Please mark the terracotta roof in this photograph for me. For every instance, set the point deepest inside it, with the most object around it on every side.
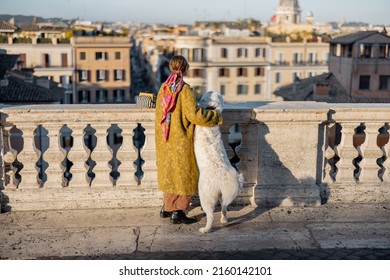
(303, 90)
(5, 26)
(7, 62)
(20, 91)
(16, 88)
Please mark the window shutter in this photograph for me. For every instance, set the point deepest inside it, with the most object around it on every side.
(64, 60)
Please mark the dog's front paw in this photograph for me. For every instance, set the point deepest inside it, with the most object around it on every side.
(203, 230)
(224, 220)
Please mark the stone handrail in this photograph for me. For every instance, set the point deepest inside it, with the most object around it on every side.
(103, 156)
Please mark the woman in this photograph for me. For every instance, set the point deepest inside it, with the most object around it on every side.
(176, 117)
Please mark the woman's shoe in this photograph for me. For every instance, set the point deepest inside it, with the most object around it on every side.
(178, 217)
(165, 214)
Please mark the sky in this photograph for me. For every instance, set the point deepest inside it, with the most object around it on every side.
(189, 11)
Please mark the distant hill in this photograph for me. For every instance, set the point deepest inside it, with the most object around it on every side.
(27, 19)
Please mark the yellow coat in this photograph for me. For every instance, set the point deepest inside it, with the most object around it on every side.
(176, 164)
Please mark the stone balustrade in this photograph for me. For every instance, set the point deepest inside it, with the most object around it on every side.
(103, 156)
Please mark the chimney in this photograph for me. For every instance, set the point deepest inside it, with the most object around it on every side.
(321, 90)
(384, 31)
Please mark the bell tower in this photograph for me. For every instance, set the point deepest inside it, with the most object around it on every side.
(288, 11)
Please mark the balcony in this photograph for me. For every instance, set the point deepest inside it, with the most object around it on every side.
(103, 156)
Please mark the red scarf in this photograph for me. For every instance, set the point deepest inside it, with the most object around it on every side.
(172, 87)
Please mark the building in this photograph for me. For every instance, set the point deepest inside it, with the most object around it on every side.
(102, 66)
(246, 69)
(291, 59)
(288, 12)
(49, 59)
(90, 69)
(360, 61)
(359, 66)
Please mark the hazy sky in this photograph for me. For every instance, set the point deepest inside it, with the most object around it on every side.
(188, 11)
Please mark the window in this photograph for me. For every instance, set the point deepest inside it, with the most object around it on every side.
(383, 51)
(222, 89)
(84, 75)
(333, 50)
(242, 72)
(242, 89)
(312, 58)
(325, 56)
(197, 73)
(185, 52)
(224, 52)
(119, 95)
(117, 55)
(65, 80)
(45, 60)
(277, 77)
(223, 72)
(64, 60)
(84, 96)
(198, 55)
(384, 82)
(259, 71)
(119, 75)
(297, 58)
(312, 74)
(100, 75)
(101, 56)
(260, 52)
(365, 50)
(83, 56)
(242, 52)
(101, 96)
(364, 82)
(257, 88)
(279, 58)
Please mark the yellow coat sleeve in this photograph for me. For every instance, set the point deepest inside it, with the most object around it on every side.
(195, 114)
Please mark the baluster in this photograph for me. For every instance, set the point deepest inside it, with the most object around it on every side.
(9, 157)
(370, 152)
(386, 163)
(148, 153)
(329, 155)
(139, 139)
(101, 155)
(54, 156)
(347, 152)
(126, 155)
(28, 156)
(78, 156)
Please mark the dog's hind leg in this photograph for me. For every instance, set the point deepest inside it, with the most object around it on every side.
(224, 218)
(209, 210)
(225, 202)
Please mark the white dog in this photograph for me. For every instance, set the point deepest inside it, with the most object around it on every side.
(218, 179)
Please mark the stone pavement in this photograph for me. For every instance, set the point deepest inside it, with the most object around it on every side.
(326, 232)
